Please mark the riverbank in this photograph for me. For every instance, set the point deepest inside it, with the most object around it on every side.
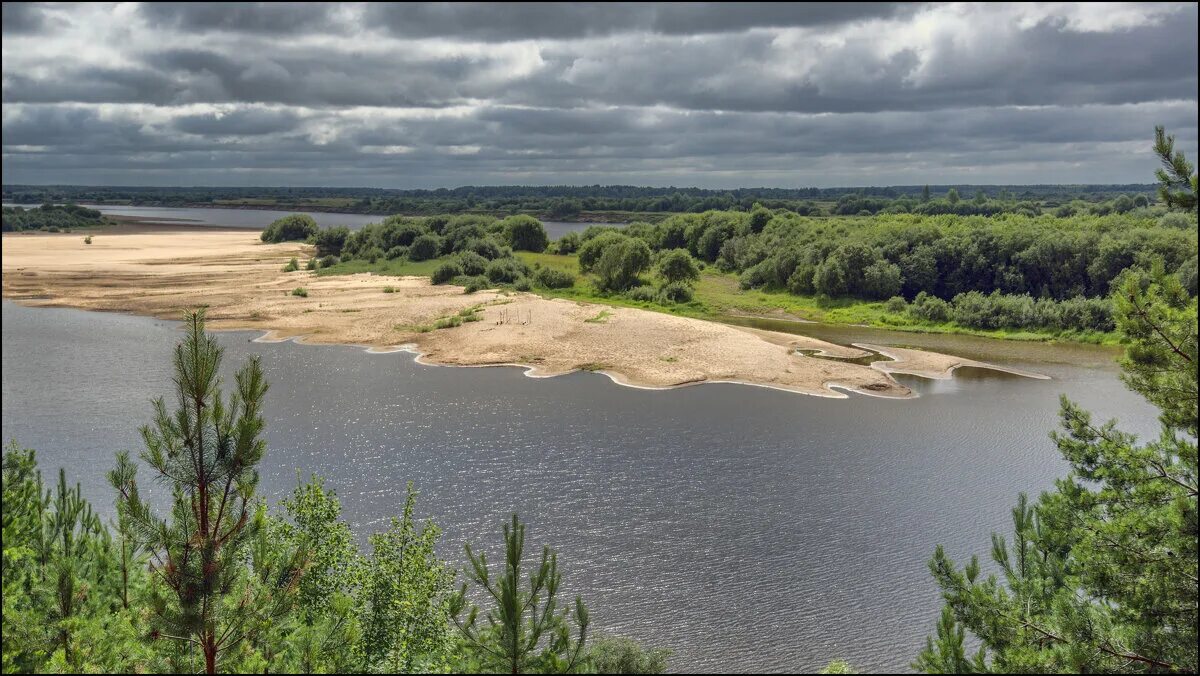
(159, 272)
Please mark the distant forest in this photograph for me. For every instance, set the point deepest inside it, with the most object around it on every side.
(570, 202)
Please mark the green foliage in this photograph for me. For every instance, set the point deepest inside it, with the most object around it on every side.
(51, 218)
(87, 240)
(293, 227)
(446, 272)
(207, 450)
(839, 667)
(476, 283)
(1177, 182)
(424, 247)
(406, 591)
(567, 244)
(506, 270)
(329, 241)
(1100, 575)
(525, 632)
(676, 265)
(311, 264)
(292, 266)
(300, 291)
(616, 655)
(553, 278)
(525, 233)
(620, 263)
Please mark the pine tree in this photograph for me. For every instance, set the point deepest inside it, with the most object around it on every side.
(925, 193)
(1101, 573)
(207, 452)
(525, 632)
(1177, 184)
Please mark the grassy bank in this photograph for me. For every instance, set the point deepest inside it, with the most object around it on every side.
(719, 296)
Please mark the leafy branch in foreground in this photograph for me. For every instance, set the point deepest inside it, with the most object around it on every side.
(525, 632)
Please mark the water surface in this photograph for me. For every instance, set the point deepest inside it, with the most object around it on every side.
(259, 219)
(746, 528)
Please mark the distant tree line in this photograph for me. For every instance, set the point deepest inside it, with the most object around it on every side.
(51, 218)
(568, 202)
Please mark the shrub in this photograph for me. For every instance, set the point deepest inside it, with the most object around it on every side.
(567, 244)
(675, 292)
(424, 247)
(929, 308)
(677, 265)
(300, 291)
(525, 233)
(592, 248)
(523, 284)
(87, 240)
(446, 272)
(472, 263)
(371, 255)
(621, 263)
(330, 241)
(476, 283)
(290, 228)
(506, 270)
(396, 252)
(292, 266)
(643, 293)
(1177, 219)
(311, 264)
(389, 289)
(896, 304)
(329, 261)
(552, 278)
(484, 247)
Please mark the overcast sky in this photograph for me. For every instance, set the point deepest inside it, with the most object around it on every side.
(709, 95)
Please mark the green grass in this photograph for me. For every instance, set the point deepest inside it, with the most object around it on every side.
(300, 291)
(601, 318)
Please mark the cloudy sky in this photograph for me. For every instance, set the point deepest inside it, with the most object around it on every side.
(709, 95)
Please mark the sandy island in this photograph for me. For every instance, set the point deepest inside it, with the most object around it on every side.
(161, 270)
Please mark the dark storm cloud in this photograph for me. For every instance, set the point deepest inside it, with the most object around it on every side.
(706, 94)
(529, 20)
(23, 17)
(281, 18)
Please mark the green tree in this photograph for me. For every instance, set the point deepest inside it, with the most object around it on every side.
(1100, 575)
(621, 263)
(526, 632)
(207, 451)
(952, 196)
(406, 598)
(525, 233)
(925, 193)
(677, 265)
(289, 228)
(1177, 182)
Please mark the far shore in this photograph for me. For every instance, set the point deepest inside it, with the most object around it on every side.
(162, 269)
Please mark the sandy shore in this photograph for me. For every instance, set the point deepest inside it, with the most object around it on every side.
(160, 272)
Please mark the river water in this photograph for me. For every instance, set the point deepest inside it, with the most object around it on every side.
(748, 529)
(258, 219)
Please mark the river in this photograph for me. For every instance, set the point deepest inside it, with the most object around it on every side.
(745, 528)
(258, 219)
